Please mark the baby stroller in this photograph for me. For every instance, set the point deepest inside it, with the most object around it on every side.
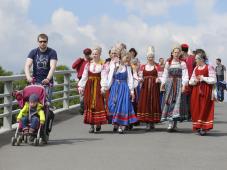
(41, 135)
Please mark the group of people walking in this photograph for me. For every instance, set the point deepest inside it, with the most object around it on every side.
(122, 91)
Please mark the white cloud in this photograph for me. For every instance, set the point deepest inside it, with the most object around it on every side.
(69, 37)
(18, 35)
(151, 7)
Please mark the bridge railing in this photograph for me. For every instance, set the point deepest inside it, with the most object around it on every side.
(7, 110)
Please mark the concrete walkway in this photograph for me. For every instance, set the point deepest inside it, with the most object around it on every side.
(71, 147)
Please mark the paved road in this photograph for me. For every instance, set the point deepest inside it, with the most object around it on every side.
(72, 148)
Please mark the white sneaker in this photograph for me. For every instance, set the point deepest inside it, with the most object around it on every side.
(120, 130)
(170, 126)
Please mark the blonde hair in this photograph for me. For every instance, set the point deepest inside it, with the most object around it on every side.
(98, 48)
(125, 56)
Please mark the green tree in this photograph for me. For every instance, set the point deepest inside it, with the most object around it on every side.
(60, 78)
(4, 73)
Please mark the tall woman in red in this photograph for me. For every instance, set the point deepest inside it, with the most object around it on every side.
(149, 109)
(92, 83)
(202, 104)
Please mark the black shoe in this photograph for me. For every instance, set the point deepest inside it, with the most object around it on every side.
(202, 132)
(98, 128)
(52, 108)
(115, 129)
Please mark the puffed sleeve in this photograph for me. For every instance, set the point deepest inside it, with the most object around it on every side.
(165, 73)
(193, 79)
(184, 74)
(110, 75)
(84, 78)
(135, 78)
(212, 76)
(104, 77)
(130, 79)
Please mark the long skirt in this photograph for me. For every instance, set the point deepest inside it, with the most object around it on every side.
(149, 109)
(202, 107)
(94, 107)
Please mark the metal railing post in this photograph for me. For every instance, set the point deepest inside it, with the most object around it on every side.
(66, 90)
(7, 121)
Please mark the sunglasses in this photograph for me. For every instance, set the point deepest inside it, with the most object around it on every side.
(42, 41)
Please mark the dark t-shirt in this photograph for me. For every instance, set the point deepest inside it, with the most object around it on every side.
(41, 63)
(220, 69)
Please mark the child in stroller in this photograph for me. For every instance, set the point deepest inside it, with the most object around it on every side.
(31, 113)
(35, 118)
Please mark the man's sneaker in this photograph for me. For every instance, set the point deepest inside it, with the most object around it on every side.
(52, 108)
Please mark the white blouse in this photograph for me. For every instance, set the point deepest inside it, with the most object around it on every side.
(147, 67)
(122, 68)
(94, 68)
(176, 64)
(211, 79)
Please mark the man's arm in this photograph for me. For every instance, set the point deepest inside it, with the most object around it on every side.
(53, 64)
(27, 67)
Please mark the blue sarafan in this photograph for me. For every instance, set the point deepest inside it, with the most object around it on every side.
(120, 106)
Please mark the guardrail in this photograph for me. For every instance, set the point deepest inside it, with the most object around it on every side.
(9, 102)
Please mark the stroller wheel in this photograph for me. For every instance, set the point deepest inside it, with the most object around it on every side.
(13, 141)
(19, 140)
(45, 139)
(40, 141)
(25, 139)
(35, 142)
(30, 140)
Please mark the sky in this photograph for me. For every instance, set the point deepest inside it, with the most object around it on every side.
(73, 25)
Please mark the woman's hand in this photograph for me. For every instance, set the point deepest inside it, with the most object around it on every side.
(183, 89)
(80, 90)
(162, 88)
(132, 97)
(158, 80)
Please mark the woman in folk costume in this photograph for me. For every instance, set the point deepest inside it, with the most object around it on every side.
(149, 109)
(174, 81)
(92, 83)
(120, 82)
(114, 57)
(135, 65)
(202, 103)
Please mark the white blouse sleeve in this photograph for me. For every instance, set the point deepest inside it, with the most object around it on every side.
(165, 73)
(192, 81)
(212, 76)
(103, 78)
(110, 75)
(83, 80)
(130, 79)
(135, 78)
(184, 74)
